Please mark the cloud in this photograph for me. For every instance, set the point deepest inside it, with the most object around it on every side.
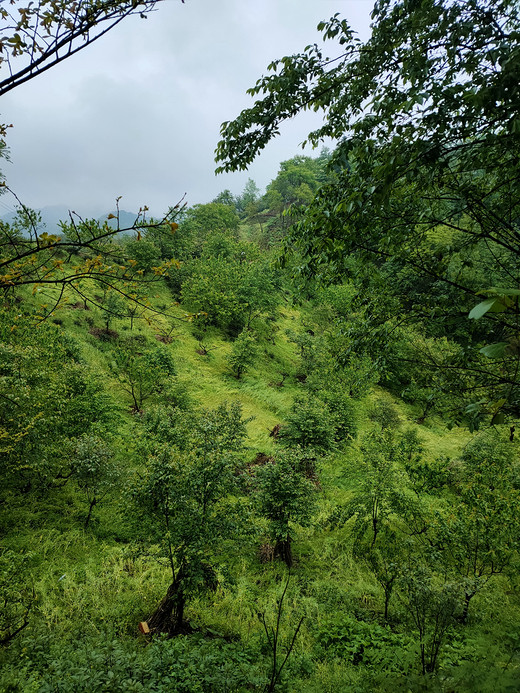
(138, 113)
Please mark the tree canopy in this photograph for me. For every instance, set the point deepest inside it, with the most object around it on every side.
(426, 118)
(38, 35)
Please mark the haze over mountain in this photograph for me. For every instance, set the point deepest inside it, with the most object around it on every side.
(52, 215)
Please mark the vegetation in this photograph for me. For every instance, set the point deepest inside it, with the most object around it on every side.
(227, 467)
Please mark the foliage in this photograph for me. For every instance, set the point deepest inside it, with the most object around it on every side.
(426, 119)
(106, 663)
(184, 493)
(16, 594)
(246, 202)
(309, 425)
(284, 497)
(358, 642)
(242, 353)
(145, 253)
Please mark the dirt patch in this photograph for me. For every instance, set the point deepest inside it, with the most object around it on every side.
(165, 339)
(103, 334)
(266, 553)
(275, 432)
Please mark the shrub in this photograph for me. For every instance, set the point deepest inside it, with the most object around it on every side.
(309, 425)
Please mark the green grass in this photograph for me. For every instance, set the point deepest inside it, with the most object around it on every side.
(98, 584)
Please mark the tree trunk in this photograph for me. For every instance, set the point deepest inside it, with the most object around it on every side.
(465, 609)
(93, 502)
(283, 550)
(169, 615)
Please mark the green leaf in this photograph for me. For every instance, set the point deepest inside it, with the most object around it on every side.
(490, 304)
(504, 292)
(495, 351)
(499, 418)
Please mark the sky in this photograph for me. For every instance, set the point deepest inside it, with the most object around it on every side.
(137, 114)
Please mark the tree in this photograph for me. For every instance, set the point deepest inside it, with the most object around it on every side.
(476, 532)
(200, 222)
(385, 561)
(225, 197)
(284, 497)
(143, 374)
(432, 606)
(93, 470)
(112, 307)
(230, 292)
(246, 202)
(310, 426)
(189, 474)
(426, 118)
(48, 399)
(37, 36)
(379, 487)
(242, 353)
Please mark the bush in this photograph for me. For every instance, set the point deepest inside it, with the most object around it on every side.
(343, 410)
(385, 414)
(309, 425)
(358, 642)
(184, 665)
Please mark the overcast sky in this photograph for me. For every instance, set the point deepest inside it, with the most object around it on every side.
(138, 113)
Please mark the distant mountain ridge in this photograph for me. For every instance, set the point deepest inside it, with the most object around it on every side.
(51, 216)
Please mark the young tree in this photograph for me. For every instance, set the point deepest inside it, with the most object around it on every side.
(476, 532)
(285, 497)
(385, 561)
(94, 471)
(112, 307)
(432, 606)
(242, 354)
(143, 374)
(378, 487)
(182, 502)
(309, 425)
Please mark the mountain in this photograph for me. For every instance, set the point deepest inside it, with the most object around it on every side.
(126, 219)
(52, 215)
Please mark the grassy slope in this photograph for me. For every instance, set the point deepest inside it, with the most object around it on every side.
(93, 582)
